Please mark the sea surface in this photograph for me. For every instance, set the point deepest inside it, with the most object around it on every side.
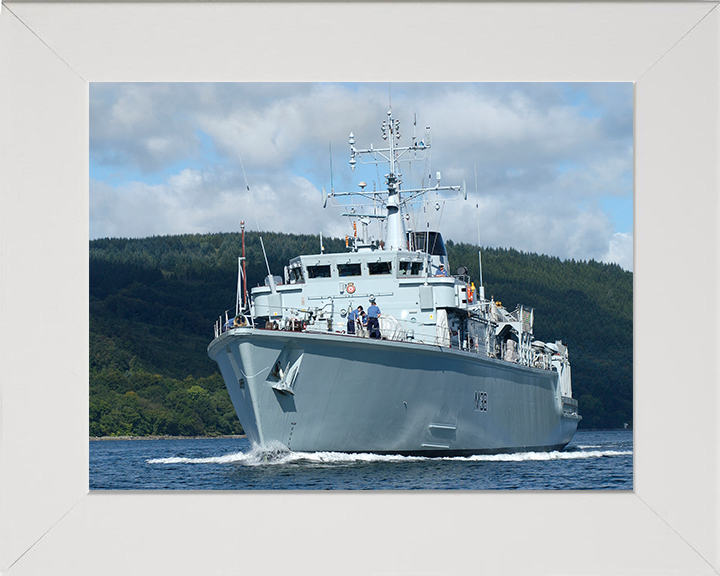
(594, 460)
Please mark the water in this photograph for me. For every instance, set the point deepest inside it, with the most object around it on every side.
(592, 461)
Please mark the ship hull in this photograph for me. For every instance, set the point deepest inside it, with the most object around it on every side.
(330, 392)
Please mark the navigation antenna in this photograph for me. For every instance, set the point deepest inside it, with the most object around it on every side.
(394, 198)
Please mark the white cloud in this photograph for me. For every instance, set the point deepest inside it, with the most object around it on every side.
(620, 251)
(545, 155)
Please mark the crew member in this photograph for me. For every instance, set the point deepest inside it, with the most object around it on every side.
(441, 271)
(352, 318)
(362, 322)
(373, 322)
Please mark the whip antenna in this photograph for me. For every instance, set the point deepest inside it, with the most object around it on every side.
(477, 204)
(477, 210)
(332, 188)
(252, 205)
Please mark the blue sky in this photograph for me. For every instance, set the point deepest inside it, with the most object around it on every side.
(554, 161)
(116, 173)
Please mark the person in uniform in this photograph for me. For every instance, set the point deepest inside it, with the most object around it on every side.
(352, 319)
(362, 323)
(373, 320)
(441, 271)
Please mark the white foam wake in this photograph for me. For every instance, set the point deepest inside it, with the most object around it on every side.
(238, 457)
(277, 454)
(257, 455)
(542, 456)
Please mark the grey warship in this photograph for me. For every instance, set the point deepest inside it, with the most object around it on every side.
(451, 373)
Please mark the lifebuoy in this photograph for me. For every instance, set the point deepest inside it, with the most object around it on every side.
(239, 322)
(350, 289)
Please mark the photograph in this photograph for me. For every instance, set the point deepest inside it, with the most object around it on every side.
(199, 203)
(361, 286)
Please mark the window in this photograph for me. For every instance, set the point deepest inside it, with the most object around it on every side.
(379, 268)
(319, 271)
(295, 275)
(431, 240)
(410, 268)
(349, 269)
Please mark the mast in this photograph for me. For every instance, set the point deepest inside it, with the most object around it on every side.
(395, 226)
(242, 295)
(395, 239)
(245, 292)
(395, 197)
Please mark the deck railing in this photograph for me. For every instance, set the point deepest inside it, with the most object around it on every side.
(407, 332)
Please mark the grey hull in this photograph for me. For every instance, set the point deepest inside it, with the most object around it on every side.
(328, 392)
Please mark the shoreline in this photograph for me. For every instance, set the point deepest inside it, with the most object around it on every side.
(110, 438)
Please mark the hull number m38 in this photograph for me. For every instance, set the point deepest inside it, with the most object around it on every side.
(481, 402)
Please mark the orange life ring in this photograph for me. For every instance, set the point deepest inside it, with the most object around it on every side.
(350, 289)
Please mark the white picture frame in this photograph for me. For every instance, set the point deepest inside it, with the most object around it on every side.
(51, 523)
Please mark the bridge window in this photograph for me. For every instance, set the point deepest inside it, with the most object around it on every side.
(410, 268)
(349, 270)
(319, 271)
(379, 268)
(295, 275)
(432, 241)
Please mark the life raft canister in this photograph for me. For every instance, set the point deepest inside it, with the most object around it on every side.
(350, 288)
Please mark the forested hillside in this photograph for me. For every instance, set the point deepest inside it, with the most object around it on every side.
(153, 302)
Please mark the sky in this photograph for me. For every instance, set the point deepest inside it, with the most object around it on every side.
(548, 166)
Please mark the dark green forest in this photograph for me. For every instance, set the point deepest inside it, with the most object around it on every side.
(153, 302)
